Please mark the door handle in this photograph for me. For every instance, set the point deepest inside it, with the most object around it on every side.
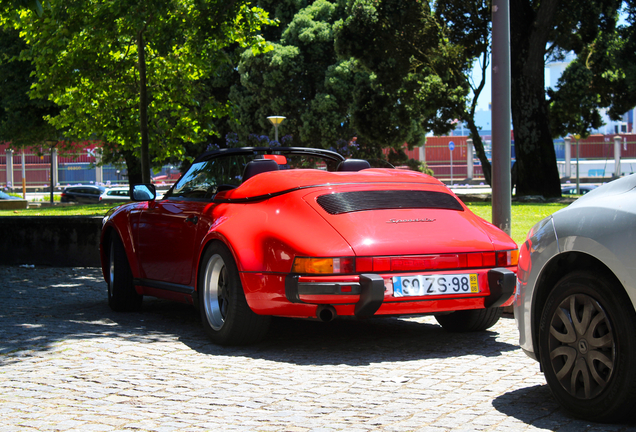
(192, 218)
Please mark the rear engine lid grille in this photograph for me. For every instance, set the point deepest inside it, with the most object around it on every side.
(347, 202)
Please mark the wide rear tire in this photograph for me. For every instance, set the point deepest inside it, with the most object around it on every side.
(225, 314)
(122, 296)
(469, 320)
(587, 340)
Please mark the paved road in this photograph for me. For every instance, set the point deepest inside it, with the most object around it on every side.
(69, 363)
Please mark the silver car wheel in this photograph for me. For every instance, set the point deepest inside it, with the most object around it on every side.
(215, 292)
(581, 346)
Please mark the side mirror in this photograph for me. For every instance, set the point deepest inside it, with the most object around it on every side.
(143, 192)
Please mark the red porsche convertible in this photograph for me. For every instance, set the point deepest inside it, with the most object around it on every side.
(250, 233)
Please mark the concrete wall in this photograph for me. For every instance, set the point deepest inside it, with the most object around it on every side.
(13, 204)
(63, 241)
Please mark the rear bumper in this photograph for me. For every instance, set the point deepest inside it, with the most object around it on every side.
(369, 288)
(369, 292)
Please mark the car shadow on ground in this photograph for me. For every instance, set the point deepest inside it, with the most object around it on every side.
(536, 406)
(60, 305)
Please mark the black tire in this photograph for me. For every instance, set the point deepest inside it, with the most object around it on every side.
(587, 339)
(225, 314)
(473, 320)
(122, 296)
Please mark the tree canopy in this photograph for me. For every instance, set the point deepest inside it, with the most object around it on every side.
(546, 30)
(131, 73)
(22, 119)
(602, 76)
(421, 56)
(160, 80)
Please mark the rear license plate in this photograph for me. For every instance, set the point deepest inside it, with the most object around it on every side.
(425, 285)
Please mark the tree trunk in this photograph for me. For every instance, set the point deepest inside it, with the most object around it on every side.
(536, 167)
(143, 110)
(479, 149)
(133, 167)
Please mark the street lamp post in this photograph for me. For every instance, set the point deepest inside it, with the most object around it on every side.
(276, 121)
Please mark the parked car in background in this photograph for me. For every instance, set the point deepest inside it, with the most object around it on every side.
(575, 304)
(85, 194)
(250, 233)
(570, 189)
(116, 194)
(6, 196)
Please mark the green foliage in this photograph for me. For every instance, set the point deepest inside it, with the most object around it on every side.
(21, 118)
(301, 78)
(89, 64)
(420, 56)
(602, 76)
(547, 30)
(421, 72)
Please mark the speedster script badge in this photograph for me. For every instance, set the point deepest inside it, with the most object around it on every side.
(397, 221)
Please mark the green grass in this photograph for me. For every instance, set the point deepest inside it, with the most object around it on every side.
(524, 215)
(70, 210)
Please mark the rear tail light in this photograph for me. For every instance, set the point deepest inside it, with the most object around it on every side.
(437, 262)
(508, 258)
(308, 265)
(349, 265)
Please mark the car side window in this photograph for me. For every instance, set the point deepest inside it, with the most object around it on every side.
(203, 179)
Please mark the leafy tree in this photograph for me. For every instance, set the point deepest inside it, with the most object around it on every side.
(421, 55)
(300, 78)
(540, 30)
(469, 26)
(328, 101)
(420, 71)
(21, 118)
(602, 76)
(132, 73)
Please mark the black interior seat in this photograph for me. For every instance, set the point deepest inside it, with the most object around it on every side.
(258, 166)
(353, 165)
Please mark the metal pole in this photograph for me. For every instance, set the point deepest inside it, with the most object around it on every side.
(578, 185)
(617, 156)
(9, 153)
(23, 177)
(501, 181)
(451, 161)
(55, 168)
(276, 133)
(52, 171)
(568, 157)
(469, 159)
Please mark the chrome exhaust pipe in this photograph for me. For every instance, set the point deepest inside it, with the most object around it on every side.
(326, 313)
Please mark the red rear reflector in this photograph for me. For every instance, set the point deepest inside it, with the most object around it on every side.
(474, 260)
(436, 262)
(364, 264)
(381, 264)
(489, 259)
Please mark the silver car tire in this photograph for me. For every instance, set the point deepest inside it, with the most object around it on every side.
(587, 340)
(225, 314)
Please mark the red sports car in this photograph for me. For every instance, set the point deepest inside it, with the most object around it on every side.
(250, 233)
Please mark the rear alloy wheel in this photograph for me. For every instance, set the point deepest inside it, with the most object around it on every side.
(122, 296)
(587, 338)
(470, 320)
(225, 314)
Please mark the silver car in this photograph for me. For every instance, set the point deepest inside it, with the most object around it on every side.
(575, 302)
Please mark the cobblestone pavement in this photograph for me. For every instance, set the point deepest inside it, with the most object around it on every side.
(67, 362)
